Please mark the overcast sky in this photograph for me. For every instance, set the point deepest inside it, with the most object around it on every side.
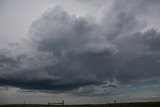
(80, 51)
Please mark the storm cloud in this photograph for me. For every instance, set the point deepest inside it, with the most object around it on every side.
(65, 52)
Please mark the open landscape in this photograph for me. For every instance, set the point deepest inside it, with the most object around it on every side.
(140, 104)
(80, 53)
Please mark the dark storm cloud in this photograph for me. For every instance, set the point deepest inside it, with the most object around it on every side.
(77, 43)
(6, 61)
(140, 59)
(64, 52)
(66, 48)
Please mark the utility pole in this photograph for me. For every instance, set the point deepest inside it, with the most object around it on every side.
(62, 102)
(24, 103)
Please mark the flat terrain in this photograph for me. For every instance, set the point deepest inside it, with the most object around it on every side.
(149, 104)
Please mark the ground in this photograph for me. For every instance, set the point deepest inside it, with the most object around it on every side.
(146, 104)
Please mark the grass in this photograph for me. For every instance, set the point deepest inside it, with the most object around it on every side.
(146, 104)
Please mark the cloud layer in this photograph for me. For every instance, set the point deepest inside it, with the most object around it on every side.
(64, 52)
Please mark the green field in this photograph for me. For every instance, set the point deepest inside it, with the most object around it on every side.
(149, 104)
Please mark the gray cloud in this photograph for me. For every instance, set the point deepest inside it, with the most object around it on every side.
(64, 52)
(141, 58)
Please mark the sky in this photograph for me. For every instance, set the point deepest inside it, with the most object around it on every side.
(79, 51)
